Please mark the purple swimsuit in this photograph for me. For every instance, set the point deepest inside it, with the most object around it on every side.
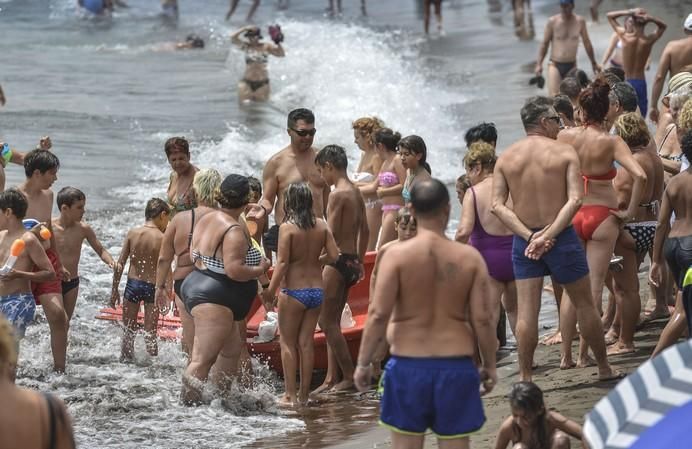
(496, 250)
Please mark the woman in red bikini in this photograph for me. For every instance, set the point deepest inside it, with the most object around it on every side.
(598, 221)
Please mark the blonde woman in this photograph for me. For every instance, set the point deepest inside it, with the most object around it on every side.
(369, 166)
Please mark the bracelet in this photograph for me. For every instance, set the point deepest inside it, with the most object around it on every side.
(264, 209)
(358, 365)
(530, 237)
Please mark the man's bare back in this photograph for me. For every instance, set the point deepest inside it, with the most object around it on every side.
(432, 294)
(530, 165)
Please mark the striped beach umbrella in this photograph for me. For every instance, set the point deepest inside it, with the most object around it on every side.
(651, 408)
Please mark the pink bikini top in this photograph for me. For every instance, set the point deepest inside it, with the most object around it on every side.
(388, 179)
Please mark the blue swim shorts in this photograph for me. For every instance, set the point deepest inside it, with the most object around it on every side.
(642, 99)
(19, 310)
(137, 290)
(441, 394)
(566, 262)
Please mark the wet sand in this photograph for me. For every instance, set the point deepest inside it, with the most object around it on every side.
(349, 421)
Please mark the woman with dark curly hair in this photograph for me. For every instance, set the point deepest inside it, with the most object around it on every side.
(219, 292)
(598, 220)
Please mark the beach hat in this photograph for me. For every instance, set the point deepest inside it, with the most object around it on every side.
(236, 186)
(688, 23)
(679, 80)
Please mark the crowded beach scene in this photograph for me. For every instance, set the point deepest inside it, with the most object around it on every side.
(346, 224)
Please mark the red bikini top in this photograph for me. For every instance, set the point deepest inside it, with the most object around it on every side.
(611, 174)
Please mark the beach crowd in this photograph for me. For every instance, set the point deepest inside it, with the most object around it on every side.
(584, 198)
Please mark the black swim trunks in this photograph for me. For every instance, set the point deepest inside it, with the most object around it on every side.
(69, 285)
(563, 67)
(270, 239)
(349, 266)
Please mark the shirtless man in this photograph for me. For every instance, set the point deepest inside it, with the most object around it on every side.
(675, 57)
(70, 232)
(16, 300)
(346, 220)
(142, 246)
(563, 32)
(545, 242)
(41, 169)
(293, 164)
(636, 47)
(427, 284)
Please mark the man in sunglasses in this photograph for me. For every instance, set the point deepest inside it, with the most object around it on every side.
(542, 176)
(295, 163)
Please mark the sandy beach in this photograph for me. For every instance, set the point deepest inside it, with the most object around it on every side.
(572, 392)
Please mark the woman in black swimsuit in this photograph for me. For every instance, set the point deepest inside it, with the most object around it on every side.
(176, 244)
(30, 419)
(255, 83)
(219, 292)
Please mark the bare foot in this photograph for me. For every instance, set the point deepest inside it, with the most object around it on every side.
(551, 340)
(620, 349)
(611, 374)
(344, 385)
(585, 362)
(285, 401)
(567, 363)
(611, 337)
(326, 386)
(651, 315)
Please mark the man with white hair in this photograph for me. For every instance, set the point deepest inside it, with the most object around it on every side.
(675, 57)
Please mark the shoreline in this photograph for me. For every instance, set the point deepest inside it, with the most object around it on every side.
(572, 392)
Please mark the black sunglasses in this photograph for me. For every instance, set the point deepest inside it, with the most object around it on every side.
(304, 132)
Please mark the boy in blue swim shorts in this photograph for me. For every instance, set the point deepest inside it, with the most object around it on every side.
(425, 286)
(16, 301)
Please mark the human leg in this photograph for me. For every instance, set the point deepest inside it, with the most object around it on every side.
(127, 348)
(54, 309)
(426, 16)
(253, 8)
(388, 230)
(151, 319)
(529, 304)
(454, 443)
(188, 324)
(69, 298)
(403, 441)
(290, 317)
(225, 367)
(629, 304)
(335, 295)
(568, 329)
(213, 325)
(306, 349)
(509, 302)
(589, 323)
(554, 80)
(373, 215)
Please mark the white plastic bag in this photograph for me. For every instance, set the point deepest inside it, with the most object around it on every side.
(266, 331)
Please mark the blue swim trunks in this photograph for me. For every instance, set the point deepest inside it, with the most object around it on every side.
(566, 262)
(94, 6)
(309, 297)
(19, 310)
(421, 393)
(642, 99)
(137, 290)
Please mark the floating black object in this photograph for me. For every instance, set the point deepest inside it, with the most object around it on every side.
(538, 80)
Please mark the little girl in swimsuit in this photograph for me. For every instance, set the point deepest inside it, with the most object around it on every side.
(531, 425)
(302, 240)
(413, 154)
(389, 182)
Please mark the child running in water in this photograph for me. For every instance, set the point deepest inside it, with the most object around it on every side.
(142, 246)
(531, 426)
(302, 240)
(70, 232)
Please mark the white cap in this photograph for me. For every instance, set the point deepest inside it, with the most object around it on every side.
(688, 23)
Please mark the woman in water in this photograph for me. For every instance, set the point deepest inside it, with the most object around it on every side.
(531, 426)
(220, 290)
(637, 238)
(181, 195)
(389, 182)
(598, 221)
(369, 166)
(485, 232)
(255, 83)
(176, 245)
(34, 420)
(302, 241)
(674, 243)
(413, 154)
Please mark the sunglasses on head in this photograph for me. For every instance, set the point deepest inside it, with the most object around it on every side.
(304, 132)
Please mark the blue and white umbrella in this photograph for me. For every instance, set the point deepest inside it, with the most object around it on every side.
(651, 408)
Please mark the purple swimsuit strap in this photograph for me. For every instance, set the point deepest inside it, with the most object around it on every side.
(478, 230)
